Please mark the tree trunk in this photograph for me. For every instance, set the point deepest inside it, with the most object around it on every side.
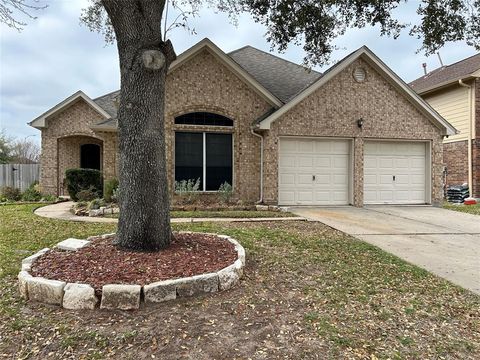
(144, 222)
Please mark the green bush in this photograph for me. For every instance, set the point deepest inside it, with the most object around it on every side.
(110, 189)
(96, 204)
(49, 198)
(87, 194)
(88, 180)
(225, 191)
(11, 194)
(32, 193)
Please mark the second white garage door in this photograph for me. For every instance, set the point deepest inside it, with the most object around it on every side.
(313, 172)
(394, 172)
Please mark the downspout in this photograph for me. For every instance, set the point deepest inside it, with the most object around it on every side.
(470, 133)
(261, 163)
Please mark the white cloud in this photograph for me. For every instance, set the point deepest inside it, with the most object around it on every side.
(55, 56)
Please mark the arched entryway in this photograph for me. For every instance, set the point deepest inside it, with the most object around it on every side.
(78, 151)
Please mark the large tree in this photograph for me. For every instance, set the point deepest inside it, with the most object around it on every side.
(145, 56)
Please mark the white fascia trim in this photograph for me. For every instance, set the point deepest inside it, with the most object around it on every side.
(41, 121)
(232, 65)
(373, 60)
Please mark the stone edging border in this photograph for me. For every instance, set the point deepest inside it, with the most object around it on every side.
(77, 296)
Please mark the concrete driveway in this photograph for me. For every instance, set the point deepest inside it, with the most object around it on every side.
(444, 242)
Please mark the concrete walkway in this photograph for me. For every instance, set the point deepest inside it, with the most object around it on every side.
(61, 211)
(444, 242)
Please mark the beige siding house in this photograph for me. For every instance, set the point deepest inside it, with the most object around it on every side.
(454, 92)
(279, 133)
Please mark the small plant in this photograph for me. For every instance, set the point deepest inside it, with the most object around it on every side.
(86, 194)
(116, 195)
(78, 180)
(32, 194)
(225, 191)
(95, 204)
(109, 188)
(11, 194)
(188, 189)
(49, 198)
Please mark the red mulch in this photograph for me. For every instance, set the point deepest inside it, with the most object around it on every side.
(103, 263)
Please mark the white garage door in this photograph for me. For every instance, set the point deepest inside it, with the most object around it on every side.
(395, 172)
(313, 172)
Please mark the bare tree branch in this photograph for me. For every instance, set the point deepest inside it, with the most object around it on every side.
(10, 9)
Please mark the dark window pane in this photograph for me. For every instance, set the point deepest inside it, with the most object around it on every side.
(203, 118)
(90, 156)
(189, 157)
(219, 160)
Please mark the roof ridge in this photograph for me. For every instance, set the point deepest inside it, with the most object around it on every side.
(447, 66)
(102, 96)
(275, 56)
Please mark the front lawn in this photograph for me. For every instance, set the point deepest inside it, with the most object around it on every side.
(224, 214)
(470, 209)
(308, 292)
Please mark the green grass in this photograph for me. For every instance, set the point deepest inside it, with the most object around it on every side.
(469, 209)
(225, 214)
(307, 290)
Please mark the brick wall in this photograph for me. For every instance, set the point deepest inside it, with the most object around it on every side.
(61, 141)
(332, 111)
(455, 157)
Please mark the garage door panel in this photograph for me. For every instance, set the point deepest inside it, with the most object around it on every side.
(394, 173)
(315, 172)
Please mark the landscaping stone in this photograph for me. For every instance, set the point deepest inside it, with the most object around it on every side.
(206, 283)
(261, 207)
(122, 297)
(79, 297)
(228, 277)
(45, 291)
(96, 212)
(26, 267)
(23, 278)
(160, 291)
(72, 244)
(29, 260)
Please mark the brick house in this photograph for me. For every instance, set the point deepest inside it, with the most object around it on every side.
(454, 91)
(280, 134)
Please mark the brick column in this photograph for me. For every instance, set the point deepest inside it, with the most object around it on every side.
(358, 144)
(48, 167)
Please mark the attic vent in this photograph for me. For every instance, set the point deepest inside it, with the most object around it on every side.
(359, 74)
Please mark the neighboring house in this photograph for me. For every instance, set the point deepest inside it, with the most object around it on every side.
(279, 133)
(454, 91)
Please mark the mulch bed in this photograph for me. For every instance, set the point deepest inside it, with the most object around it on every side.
(103, 263)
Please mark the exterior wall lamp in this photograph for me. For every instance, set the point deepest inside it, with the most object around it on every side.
(360, 123)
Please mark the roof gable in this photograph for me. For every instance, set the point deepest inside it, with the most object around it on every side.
(367, 55)
(206, 44)
(41, 121)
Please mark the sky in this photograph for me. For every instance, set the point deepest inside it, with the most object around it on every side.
(54, 56)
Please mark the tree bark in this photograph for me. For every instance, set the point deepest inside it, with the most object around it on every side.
(144, 222)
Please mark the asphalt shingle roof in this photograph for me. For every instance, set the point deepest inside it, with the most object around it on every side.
(282, 78)
(448, 73)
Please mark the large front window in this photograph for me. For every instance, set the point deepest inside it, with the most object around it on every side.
(205, 156)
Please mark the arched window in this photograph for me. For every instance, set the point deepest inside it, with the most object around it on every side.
(203, 118)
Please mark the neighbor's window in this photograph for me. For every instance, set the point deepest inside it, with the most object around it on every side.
(204, 156)
(203, 118)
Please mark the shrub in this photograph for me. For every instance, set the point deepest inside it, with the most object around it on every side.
(49, 198)
(225, 191)
(109, 189)
(95, 204)
(32, 194)
(188, 189)
(84, 180)
(11, 194)
(87, 194)
(116, 195)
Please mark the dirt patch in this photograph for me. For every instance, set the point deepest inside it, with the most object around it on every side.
(103, 263)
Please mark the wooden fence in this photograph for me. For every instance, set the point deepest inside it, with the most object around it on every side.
(19, 176)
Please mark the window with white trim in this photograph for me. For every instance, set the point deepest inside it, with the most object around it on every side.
(205, 156)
